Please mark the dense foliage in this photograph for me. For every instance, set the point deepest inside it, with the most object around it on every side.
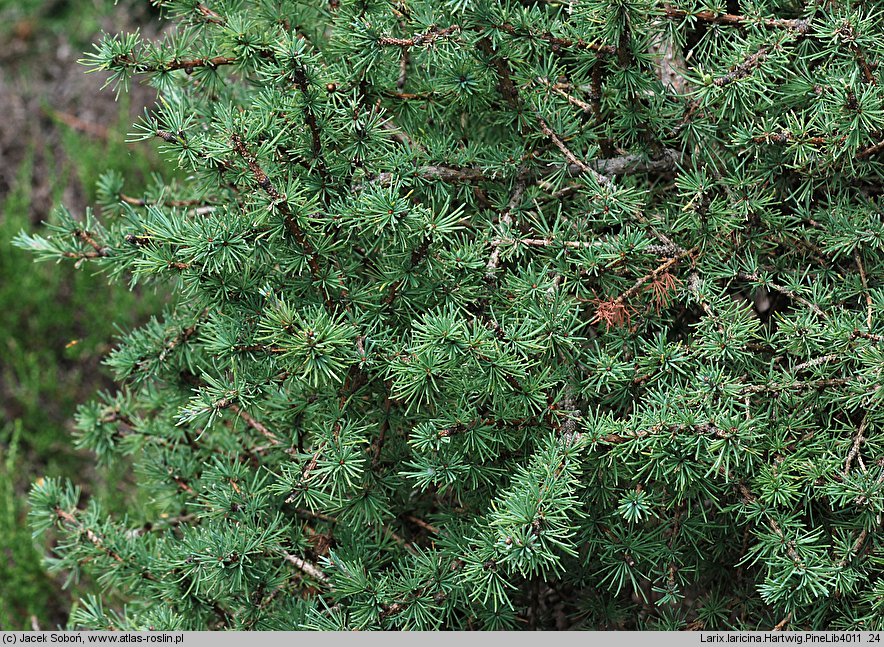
(493, 315)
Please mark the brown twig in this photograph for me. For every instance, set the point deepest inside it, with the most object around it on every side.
(627, 164)
(558, 89)
(556, 41)
(309, 514)
(748, 497)
(417, 255)
(86, 237)
(595, 98)
(816, 361)
(799, 386)
(615, 312)
(91, 535)
(427, 38)
(855, 548)
(385, 425)
(81, 256)
(97, 540)
(742, 70)
(782, 623)
(309, 568)
(255, 424)
(186, 64)
(865, 283)
(548, 242)
(859, 334)
(854, 448)
(848, 33)
(573, 160)
(442, 173)
(614, 166)
(305, 473)
(505, 84)
(181, 337)
(507, 219)
(653, 274)
(603, 168)
(784, 136)
(300, 78)
(423, 524)
(870, 150)
(408, 96)
(289, 218)
(792, 24)
(403, 70)
(182, 484)
(210, 15)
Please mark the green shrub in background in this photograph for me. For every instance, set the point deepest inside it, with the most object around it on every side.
(54, 327)
(54, 330)
(494, 315)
